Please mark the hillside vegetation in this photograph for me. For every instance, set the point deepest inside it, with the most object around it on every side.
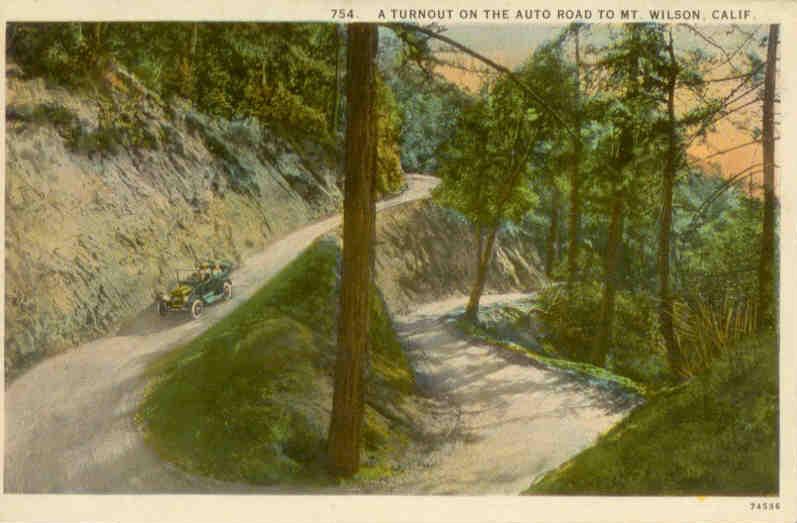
(716, 435)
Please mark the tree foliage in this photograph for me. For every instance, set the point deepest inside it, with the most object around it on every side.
(281, 74)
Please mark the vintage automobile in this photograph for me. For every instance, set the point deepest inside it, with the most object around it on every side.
(207, 283)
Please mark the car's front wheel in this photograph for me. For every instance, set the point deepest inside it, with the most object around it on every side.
(196, 309)
(227, 290)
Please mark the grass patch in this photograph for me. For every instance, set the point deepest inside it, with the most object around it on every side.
(249, 399)
(715, 435)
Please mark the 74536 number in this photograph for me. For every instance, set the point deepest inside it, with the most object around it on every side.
(766, 505)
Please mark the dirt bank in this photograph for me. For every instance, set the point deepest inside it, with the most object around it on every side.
(425, 253)
(108, 192)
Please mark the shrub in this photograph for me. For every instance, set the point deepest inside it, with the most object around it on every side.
(389, 175)
(703, 332)
(570, 323)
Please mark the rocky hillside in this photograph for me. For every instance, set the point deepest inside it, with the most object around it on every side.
(108, 190)
(425, 253)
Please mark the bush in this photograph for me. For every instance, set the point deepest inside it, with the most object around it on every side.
(389, 175)
(703, 332)
(571, 321)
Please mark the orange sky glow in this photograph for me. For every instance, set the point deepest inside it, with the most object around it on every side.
(511, 45)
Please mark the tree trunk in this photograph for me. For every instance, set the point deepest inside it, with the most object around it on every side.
(358, 222)
(552, 242)
(610, 262)
(665, 224)
(766, 268)
(574, 217)
(483, 257)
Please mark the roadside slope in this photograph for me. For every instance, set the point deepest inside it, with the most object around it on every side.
(716, 435)
(424, 253)
(108, 192)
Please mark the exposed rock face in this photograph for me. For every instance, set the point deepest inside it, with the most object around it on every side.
(107, 194)
(425, 253)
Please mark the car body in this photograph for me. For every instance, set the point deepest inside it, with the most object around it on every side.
(207, 283)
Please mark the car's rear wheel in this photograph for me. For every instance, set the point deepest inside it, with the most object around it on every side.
(163, 309)
(196, 309)
(227, 290)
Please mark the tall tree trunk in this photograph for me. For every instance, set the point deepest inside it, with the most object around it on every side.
(665, 224)
(483, 256)
(358, 222)
(610, 267)
(574, 217)
(766, 268)
(552, 242)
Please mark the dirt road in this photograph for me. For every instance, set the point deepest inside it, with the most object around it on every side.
(70, 428)
(69, 420)
(508, 421)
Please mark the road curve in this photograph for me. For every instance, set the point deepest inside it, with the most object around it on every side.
(69, 420)
(508, 420)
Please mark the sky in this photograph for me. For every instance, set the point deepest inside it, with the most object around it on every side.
(511, 44)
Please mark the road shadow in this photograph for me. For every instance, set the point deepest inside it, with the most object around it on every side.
(149, 321)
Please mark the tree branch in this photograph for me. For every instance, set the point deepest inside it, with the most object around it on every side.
(542, 105)
(719, 153)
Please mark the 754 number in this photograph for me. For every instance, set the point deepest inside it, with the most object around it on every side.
(342, 14)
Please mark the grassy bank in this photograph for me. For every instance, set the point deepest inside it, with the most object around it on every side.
(716, 435)
(249, 399)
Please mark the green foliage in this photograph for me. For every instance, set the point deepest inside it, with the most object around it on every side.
(248, 399)
(704, 332)
(389, 175)
(486, 166)
(279, 73)
(718, 253)
(716, 435)
(570, 325)
(625, 137)
(119, 124)
(428, 105)
(66, 53)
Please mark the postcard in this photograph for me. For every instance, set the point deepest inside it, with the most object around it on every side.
(399, 262)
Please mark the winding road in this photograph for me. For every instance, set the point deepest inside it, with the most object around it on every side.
(70, 424)
(69, 421)
(509, 420)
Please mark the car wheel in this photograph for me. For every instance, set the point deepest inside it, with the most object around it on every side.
(163, 310)
(227, 290)
(196, 309)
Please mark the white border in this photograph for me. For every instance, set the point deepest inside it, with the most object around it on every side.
(420, 509)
